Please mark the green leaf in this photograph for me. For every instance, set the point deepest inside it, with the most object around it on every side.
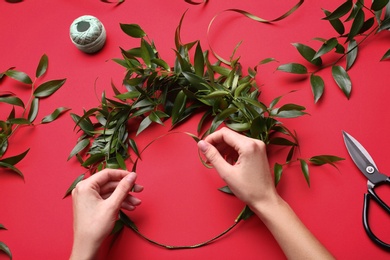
(357, 25)
(42, 66)
(305, 170)
(352, 52)
(218, 119)
(6, 250)
(307, 53)
(94, 158)
(386, 55)
(278, 170)
(326, 47)
(145, 55)
(295, 68)
(144, 124)
(367, 25)
(226, 190)
(19, 76)
(179, 106)
(325, 159)
(245, 214)
(161, 63)
(317, 86)
(378, 5)
(53, 116)
(340, 11)
(15, 159)
(19, 121)
(48, 88)
(12, 101)
(199, 61)
(342, 79)
(73, 185)
(120, 161)
(12, 168)
(83, 123)
(134, 147)
(133, 30)
(33, 112)
(2, 227)
(336, 23)
(79, 147)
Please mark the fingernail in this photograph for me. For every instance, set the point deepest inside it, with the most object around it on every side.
(203, 146)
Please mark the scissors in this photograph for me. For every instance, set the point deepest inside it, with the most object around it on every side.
(367, 166)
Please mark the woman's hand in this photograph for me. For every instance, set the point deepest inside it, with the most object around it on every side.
(96, 204)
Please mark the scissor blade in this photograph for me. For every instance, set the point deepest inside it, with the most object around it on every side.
(359, 155)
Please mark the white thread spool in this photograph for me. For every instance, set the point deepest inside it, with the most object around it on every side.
(88, 34)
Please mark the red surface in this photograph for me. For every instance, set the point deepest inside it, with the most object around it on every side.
(180, 203)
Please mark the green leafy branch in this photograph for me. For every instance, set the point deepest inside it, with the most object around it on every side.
(29, 110)
(363, 21)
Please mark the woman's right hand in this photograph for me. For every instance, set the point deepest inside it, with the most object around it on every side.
(242, 163)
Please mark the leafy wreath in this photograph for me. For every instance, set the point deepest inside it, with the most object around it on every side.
(157, 92)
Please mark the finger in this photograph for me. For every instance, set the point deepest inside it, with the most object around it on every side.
(226, 138)
(123, 189)
(106, 175)
(137, 188)
(214, 157)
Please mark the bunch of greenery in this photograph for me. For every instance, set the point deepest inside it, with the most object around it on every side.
(354, 22)
(29, 112)
(9, 126)
(156, 92)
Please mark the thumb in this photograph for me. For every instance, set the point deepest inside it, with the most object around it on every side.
(123, 189)
(214, 157)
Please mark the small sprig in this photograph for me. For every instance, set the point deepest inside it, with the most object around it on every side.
(362, 24)
(9, 126)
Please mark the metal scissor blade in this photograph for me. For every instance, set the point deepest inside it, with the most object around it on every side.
(360, 156)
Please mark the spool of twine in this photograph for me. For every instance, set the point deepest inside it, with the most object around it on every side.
(88, 34)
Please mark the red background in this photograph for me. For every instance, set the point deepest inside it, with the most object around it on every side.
(181, 204)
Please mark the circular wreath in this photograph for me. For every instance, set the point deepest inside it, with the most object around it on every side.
(156, 92)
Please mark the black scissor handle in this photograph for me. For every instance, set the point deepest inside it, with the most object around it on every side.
(367, 198)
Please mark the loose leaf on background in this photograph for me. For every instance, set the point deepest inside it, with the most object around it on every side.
(53, 116)
(48, 88)
(42, 66)
(2, 227)
(19, 76)
(317, 86)
(325, 159)
(5, 249)
(342, 79)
